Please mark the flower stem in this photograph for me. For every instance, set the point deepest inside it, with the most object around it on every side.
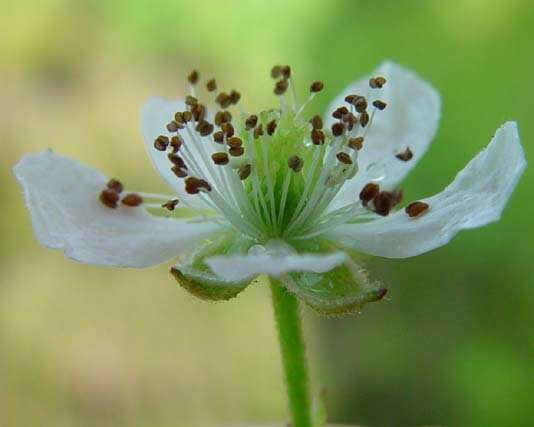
(288, 323)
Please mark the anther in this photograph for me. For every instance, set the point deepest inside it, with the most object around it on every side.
(280, 87)
(350, 98)
(385, 201)
(235, 96)
(338, 129)
(286, 71)
(234, 142)
(271, 127)
(179, 118)
(177, 161)
(222, 117)
(176, 143)
(276, 71)
(317, 136)
(187, 116)
(228, 129)
(199, 112)
(244, 171)
(379, 104)
(416, 209)
(360, 104)
(191, 101)
(369, 192)
(344, 158)
(211, 85)
(220, 158)
(170, 204)
(316, 122)
(109, 198)
(350, 119)
(115, 185)
(405, 155)
(195, 185)
(236, 151)
(161, 143)
(223, 99)
(251, 121)
(173, 126)
(258, 131)
(193, 77)
(340, 112)
(377, 82)
(204, 128)
(132, 200)
(179, 172)
(219, 137)
(364, 119)
(356, 143)
(295, 163)
(316, 86)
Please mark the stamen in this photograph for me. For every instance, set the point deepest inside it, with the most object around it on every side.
(316, 122)
(187, 116)
(251, 121)
(379, 104)
(223, 99)
(173, 126)
(191, 101)
(211, 85)
(340, 112)
(244, 171)
(236, 151)
(220, 158)
(405, 155)
(195, 185)
(234, 142)
(344, 158)
(176, 143)
(369, 192)
(356, 143)
(179, 172)
(115, 185)
(385, 201)
(364, 119)
(377, 82)
(218, 137)
(193, 77)
(317, 136)
(338, 129)
(170, 205)
(235, 96)
(276, 71)
(161, 143)
(316, 86)
(204, 128)
(228, 129)
(416, 209)
(295, 163)
(271, 127)
(109, 198)
(177, 160)
(281, 87)
(132, 200)
(258, 131)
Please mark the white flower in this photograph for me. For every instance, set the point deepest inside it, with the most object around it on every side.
(274, 193)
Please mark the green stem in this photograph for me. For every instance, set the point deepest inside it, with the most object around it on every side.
(287, 316)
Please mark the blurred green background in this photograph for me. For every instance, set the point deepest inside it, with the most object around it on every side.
(86, 346)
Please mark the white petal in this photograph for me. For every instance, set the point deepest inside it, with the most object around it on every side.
(275, 258)
(476, 197)
(62, 197)
(155, 115)
(409, 120)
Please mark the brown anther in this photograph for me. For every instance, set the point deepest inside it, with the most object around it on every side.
(176, 143)
(179, 118)
(416, 209)
(385, 201)
(199, 112)
(219, 137)
(317, 136)
(405, 155)
(223, 99)
(251, 121)
(360, 104)
(228, 129)
(344, 158)
(338, 129)
(364, 119)
(271, 127)
(173, 126)
(115, 185)
(179, 172)
(244, 171)
(235, 96)
(276, 71)
(350, 98)
(132, 200)
(161, 143)
(377, 82)
(211, 85)
(170, 204)
(234, 141)
(193, 77)
(220, 158)
(195, 185)
(187, 116)
(109, 198)
(316, 122)
(350, 119)
(356, 143)
(369, 192)
(258, 131)
(236, 151)
(295, 163)
(379, 104)
(191, 101)
(286, 71)
(316, 86)
(280, 87)
(340, 112)
(177, 160)
(204, 128)
(219, 118)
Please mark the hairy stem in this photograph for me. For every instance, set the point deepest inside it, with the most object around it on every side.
(288, 323)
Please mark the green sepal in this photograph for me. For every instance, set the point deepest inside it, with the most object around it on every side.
(195, 276)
